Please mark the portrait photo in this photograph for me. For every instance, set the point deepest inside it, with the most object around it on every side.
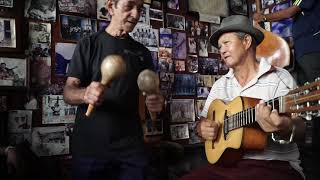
(179, 45)
(13, 72)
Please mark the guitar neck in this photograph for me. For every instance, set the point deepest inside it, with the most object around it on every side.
(248, 116)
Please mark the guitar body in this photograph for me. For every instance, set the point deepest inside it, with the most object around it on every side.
(245, 138)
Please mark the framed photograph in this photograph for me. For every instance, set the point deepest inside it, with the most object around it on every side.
(203, 92)
(153, 127)
(64, 53)
(7, 33)
(238, 6)
(184, 85)
(6, 3)
(73, 28)
(193, 138)
(40, 10)
(182, 110)
(175, 21)
(179, 45)
(146, 35)
(203, 47)
(179, 65)
(199, 106)
(208, 66)
(179, 131)
(48, 141)
(19, 121)
(84, 7)
(55, 110)
(173, 4)
(192, 63)
(102, 11)
(156, 4)
(165, 37)
(156, 15)
(13, 72)
(144, 15)
(192, 45)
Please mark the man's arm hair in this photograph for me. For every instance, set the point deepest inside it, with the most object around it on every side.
(283, 14)
(73, 93)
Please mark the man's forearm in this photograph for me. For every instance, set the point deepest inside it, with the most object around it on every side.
(73, 95)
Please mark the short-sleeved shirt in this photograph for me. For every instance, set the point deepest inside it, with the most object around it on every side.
(114, 126)
(270, 83)
(306, 27)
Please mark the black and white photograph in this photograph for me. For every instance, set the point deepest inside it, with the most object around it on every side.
(190, 27)
(56, 111)
(165, 37)
(19, 121)
(239, 7)
(83, 7)
(156, 4)
(179, 65)
(179, 131)
(192, 63)
(284, 27)
(184, 85)
(73, 28)
(199, 107)
(146, 35)
(175, 21)
(156, 15)
(208, 66)
(102, 11)
(6, 3)
(179, 45)
(202, 29)
(13, 72)
(48, 141)
(192, 45)
(18, 138)
(193, 138)
(7, 33)
(165, 60)
(144, 15)
(203, 92)
(39, 39)
(182, 110)
(203, 47)
(166, 77)
(64, 53)
(40, 9)
(173, 4)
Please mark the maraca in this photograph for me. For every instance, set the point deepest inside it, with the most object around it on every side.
(148, 82)
(112, 66)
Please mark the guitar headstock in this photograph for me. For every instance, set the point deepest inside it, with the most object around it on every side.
(304, 100)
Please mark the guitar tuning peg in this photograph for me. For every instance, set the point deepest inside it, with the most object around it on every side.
(317, 79)
(306, 83)
(308, 117)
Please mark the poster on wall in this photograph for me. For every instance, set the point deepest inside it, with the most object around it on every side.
(6, 3)
(102, 11)
(55, 110)
(13, 72)
(64, 53)
(7, 33)
(48, 141)
(84, 7)
(40, 9)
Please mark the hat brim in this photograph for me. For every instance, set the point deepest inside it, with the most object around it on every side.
(257, 34)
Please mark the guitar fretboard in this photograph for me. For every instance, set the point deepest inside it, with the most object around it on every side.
(248, 116)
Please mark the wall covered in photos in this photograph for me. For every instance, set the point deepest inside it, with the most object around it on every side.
(37, 40)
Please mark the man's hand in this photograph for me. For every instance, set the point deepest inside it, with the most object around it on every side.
(270, 120)
(94, 94)
(154, 102)
(11, 159)
(258, 17)
(208, 129)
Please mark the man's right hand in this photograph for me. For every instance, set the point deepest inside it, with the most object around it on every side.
(208, 129)
(94, 93)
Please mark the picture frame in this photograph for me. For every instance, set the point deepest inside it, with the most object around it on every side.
(182, 110)
(175, 21)
(13, 72)
(179, 131)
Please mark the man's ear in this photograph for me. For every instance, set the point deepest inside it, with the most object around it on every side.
(247, 41)
(110, 5)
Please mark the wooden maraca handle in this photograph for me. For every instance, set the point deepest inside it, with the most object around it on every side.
(89, 110)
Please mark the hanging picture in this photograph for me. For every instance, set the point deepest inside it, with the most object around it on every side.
(48, 141)
(73, 28)
(6, 3)
(179, 45)
(7, 33)
(102, 11)
(40, 9)
(175, 21)
(179, 131)
(184, 85)
(19, 121)
(64, 53)
(13, 72)
(84, 7)
(182, 110)
(55, 110)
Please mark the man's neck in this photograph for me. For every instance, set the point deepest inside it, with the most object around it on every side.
(115, 31)
(245, 72)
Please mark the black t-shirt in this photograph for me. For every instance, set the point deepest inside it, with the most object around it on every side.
(113, 126)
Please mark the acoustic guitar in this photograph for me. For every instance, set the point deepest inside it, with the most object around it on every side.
(239, 130)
